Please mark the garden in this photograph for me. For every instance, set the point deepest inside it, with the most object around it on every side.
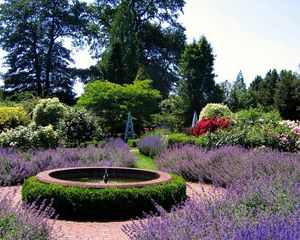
(142, 139)
(249, 158)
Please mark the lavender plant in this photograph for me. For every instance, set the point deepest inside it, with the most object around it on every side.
(225, 165)
(25, 222)
(150, 146)
(255, 209)
(16, 165)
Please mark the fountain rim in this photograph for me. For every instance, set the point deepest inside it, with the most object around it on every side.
(45, 177)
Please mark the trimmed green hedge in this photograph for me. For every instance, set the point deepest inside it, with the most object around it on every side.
(182, 139)
(109, 203)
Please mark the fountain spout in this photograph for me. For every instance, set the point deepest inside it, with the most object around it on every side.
(105, 176)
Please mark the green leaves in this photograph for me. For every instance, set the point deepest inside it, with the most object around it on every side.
(111, 102)
(108, 202)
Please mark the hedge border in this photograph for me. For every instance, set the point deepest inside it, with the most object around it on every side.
(111, 203)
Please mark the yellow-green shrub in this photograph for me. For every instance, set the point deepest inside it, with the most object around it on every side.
(215, 108)
(11, 117)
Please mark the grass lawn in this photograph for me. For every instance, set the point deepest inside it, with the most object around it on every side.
(143, 161)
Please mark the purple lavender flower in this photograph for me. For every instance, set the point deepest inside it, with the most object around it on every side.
(16, 165)
(150, 146)
(19, 221)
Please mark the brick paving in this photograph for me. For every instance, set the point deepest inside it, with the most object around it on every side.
(72, 230)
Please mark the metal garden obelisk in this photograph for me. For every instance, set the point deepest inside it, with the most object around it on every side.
(195, 119)
(129, 132)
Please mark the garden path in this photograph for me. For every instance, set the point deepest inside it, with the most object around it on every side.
(71, 230)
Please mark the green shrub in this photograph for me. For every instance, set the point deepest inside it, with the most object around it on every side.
(28, 137)
(11, 117)
(49, 111)
(159, 132)
(257, 115)
(82, 202)
(77, 126)
(44, 137)
(19, 137)
(133, 142)
(182, 139)
(247, 135)
(215, 108)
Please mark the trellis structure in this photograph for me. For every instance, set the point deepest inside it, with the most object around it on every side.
(129, 131)
(195, 119)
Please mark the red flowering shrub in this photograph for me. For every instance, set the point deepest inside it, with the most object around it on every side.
(210, 125)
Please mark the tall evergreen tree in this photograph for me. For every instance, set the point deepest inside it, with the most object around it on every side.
(198, 85)
(156, 39)
(32, 33)
(287, 96)
(237, 94)
(119, 64)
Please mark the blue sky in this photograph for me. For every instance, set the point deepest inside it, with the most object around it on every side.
(251, 36)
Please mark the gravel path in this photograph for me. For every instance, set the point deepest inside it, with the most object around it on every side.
(105, 230)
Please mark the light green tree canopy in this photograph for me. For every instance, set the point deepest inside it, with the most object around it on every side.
(111, 102)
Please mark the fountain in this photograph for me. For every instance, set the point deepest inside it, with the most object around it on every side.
(104, 192)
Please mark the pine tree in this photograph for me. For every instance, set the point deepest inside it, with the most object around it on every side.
(198, 85)
(32, 33)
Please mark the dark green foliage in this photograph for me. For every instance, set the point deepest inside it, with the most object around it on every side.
(32, 33)
(86, 203)
(119, 63)
(171, 114)
(287, 96)
(198, 85)
(263, 89)
(134, 34)
(237, 94)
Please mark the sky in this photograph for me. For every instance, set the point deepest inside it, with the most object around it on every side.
(252, 36)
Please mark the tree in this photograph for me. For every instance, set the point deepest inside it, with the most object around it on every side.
(238, 93)
(119, 63)
(226, 88)
(287, 96)
(171, 113)
(156, 40)
(198, 85)
(32, 33)
(265, 88)
(111, 103)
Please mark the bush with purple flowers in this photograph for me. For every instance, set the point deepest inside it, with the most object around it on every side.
(262, 202)
(24, 222)
(225, 165)
(150, 146)
(261, 199)
(16, 165)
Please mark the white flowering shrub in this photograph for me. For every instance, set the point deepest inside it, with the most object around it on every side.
(28, 137)
(77, 126)
(49, 111)
(215, 108)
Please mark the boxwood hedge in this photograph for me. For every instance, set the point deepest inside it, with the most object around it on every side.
(110, 203)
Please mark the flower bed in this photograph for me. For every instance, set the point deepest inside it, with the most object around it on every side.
(15, 165)
(262, 200)
(24, 222)
(225, 165)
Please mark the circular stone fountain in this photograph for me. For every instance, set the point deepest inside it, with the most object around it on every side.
(94, 177)
(104, 192)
